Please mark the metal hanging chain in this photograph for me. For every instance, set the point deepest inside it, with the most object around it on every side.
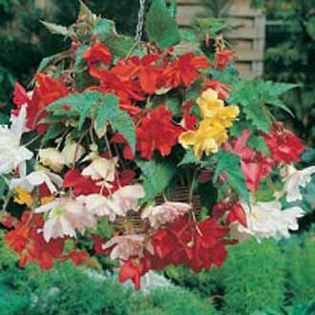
(140, 21)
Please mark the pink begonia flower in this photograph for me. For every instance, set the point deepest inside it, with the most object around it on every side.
(164, 213)
(102, 170)
(65, 217)
(117, 204)
(127, 246)
(255, 165)
(268, 220)
(13, 155)
(294, 179)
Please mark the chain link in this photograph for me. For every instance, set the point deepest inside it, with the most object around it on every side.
(140, 21)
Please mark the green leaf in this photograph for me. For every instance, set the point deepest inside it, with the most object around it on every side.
(253, 96)
(259, 144)
(3, 186)
(104, 29)
(47, 61)
(121, 121)
(80, 105)
(120, 45)
(190, 158)
(229, 164)
(52, 132)
(56, 29)
(85, 14)
(107, 110)
(160, 27)
(156, 176)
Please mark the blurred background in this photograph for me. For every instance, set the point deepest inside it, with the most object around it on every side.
(275, 40)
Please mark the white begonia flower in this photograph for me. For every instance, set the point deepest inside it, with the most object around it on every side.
(72, 152)
(56, 160)
(37, 178)
(268, 220)
(52, 158)
(65, 217)
(12, 154)
(126, 246)
(101, 170)
(164, 213)
(294, 179)
(118, 204)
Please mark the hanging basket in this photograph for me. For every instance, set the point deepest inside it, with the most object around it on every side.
(133, 224)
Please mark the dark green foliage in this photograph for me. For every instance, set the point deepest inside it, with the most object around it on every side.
(301, 271)
(290, 58)
(253, 278)
(161, 28)
(24, 41)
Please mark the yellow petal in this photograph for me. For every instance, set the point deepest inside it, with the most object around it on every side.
(187, 138)
(23, 197)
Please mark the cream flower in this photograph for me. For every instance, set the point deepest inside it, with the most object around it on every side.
(65, 217)
(126, 246)
(72, 152)
(52, 158)
(294, 179)
(118, 204)
(164, 213)
(12, 154)
(37, 178)
(102, 170)
(268, 220)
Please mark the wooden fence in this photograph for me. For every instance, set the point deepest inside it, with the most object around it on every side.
(248, 36)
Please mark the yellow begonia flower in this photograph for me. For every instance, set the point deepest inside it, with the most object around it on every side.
(207, 138)
(23, 197)
(212, 130)
(212, 107)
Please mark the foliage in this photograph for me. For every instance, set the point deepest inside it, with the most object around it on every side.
(269, 279)
(289, 58)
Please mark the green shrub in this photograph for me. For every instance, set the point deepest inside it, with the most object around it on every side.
(253, 277)
(301, 271)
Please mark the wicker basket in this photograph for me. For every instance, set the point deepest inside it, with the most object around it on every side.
(132, 223)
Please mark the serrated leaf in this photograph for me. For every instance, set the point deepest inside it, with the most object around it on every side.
(156, 176)
(259, 144)
(120, 45)
(52, 132)
(190, 158)
(160, 27)
(104, 29)
(229, 164)
(85, 13)
(109, 111)
(56, 28)
(75, 105)
(259, 116)
(47, 61)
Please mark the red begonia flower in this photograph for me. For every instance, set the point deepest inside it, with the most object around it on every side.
(184, 70)
(98, 53)
(189, 120)
(30, 244)
(47, 91)
(157, 132)
(79, 257)
(144, 69)
(284, 145)
(127, 90)
(223, 58)
(237, 214)
(221, 88)
(133, 271)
